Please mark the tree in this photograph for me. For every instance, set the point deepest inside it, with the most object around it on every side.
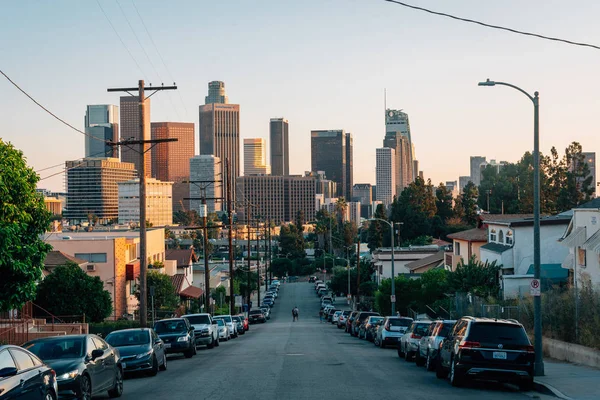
(376, 229)
(57, 291)
(281, 266)
(467, 202)
(186, 218)
(164, 292)
(291, 241)
(23, 219)
(444, 202)
(415, 208)
(475, 277)
(578, 186)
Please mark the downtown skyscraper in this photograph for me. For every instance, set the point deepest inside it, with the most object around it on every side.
(130, 130)
(398, 137)
(280, 146)
(219, 130)
(101, 125)
(255, 157)
(331, 152)
(385, 174)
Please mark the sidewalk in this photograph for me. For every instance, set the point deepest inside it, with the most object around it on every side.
(569, 381)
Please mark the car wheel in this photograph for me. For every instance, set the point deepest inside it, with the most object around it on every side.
(163, 367)
(85, 388)
(408, 355)
(400, 352)
(456, 378)
(189, 353)
(419, 361)
(440, 372)
(50, 396)
(194, 350)
(154, 369)
(429, 363)
(217, 342)
(117, 389)
(382, 344)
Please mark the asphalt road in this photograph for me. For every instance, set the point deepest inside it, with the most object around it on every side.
(306, 359)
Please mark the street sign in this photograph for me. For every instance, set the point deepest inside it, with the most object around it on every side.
(349, 297)
(534, 287)
(393, 298)
(238, 301)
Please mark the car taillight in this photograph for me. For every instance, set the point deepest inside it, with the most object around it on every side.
(387, 328)
(415, 336)
(53, 373)
(468, 345)
(528, 348)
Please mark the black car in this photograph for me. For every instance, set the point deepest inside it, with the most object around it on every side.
(85, 365)
(490, 349)
(25, 376)
(255, 316)
(141, 350)
(178, 336)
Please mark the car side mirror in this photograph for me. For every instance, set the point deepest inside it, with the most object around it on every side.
(192, 328)
(157, 341)
(8, 371)
(215, 323)
(97, 353)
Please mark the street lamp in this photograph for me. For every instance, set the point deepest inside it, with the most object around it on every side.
(393, 298)
(537, 300)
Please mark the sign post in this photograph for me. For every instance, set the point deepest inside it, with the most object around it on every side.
(393, 298)
(535, 288)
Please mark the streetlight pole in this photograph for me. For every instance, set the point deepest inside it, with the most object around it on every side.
(537, 300)
(393, 297)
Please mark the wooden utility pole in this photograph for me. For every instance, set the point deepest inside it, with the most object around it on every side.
(358, 269)
(257, 260)
(144, 147)
(248, 220)
(269, 247)
(204, 215)
(266, 258)
(230, 237)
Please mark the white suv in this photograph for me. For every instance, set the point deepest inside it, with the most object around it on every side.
(205, 331)
(229, 322)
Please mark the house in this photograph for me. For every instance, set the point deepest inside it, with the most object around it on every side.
(382, 259)
(510, 244)
(57, 258)
(183, 277)
(425, 264)
(582, 239)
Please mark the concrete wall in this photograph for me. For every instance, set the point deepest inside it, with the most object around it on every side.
(571, 352)
(514, 286)
(551, 251)
(590, 218)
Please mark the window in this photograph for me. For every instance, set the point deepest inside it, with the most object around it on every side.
(581, 257)
(457, 248)
(492, 235)
(509, 240)
(92, 257)
(501, 237)
(6, 361)
(23, 360)
(90, 346)
(100, 344)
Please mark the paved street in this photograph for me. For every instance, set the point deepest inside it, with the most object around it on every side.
(301, 360)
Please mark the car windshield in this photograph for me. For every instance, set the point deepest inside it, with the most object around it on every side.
(226, 318)
(421, 329)
(198, 319)
(128, 338)
(400, 322)
(345, 313)
(255, 312)
(375, 320)
(176, 326)
(498, 333)
(445, 330)
(364, 316)
(57, 349)
(220, 322)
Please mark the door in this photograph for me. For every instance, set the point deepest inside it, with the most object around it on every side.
(108, 363)
(158, 346)
(10, 386)
(94, 367)
(30, 379)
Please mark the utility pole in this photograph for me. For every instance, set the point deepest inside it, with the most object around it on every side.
(204, 214)
(266, 259)
(230, 238)
(358, 268)
(257, 260)
(269, 245)
(248, 219)
(144, 147)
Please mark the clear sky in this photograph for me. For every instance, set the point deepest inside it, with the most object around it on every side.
(323, 64)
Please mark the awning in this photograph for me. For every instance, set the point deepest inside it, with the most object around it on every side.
(191, 292)
(568, 262)
(593, 243)
(554, 272)
(576, 238)
(132, 270)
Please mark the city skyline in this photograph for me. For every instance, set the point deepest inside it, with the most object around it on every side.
(446, 107)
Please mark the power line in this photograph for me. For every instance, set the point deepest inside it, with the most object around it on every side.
(62, 163)
(50, 112)
(472, 21)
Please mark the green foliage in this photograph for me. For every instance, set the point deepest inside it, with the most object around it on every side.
(415, 208)
(23, 219)
(187, 218)
(165, 297)
(480, 279)
(339, 280)
(69, 291)
(245, 282)
(444, 202)
(466, 204)
(106, 327)
(377, 229)
(291, 241)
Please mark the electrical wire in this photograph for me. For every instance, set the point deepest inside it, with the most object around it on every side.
(472, 21)
(62, 163)
(50, 112)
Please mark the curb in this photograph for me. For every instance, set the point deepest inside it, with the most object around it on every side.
(547, 389)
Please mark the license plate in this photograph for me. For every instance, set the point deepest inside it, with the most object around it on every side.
(499, 355)
(167, 345)
(124, 365)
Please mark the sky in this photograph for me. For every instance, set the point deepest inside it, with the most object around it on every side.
(322, 64)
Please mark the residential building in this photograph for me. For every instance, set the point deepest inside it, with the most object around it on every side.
(92, 188)
(101, 126)
(590, 159)
(159, 202)
(114, 258)
(219, 129)
(57, 258)
(475, 166)
(354, 214)
(403, 256)
(510, 244)
(385, 165)
(462, 182)
(255, 157)
(183, 279)
(362, 192)
(206, 177)
(279, 198)
(280, 146)
(582, 238)
(433, 261)
(319, 201)
(170, 161)
(398, 137)
(130, 130)
(330, 153)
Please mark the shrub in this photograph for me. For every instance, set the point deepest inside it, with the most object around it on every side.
(104, 328)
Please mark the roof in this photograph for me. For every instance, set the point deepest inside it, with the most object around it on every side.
(177, 281)
(184, 257)
(559, 219)
(502, 217)
(191, 292)
(471, 235)
(423, 262)
(440, 242)
(551, 271)
(590, 204)
(593, 243)
(56, 258)
(496, 247)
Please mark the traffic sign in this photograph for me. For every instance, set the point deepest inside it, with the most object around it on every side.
(535, 287)
(349, 297)
(393, 298)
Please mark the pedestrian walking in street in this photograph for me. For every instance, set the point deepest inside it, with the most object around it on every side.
(295, 314)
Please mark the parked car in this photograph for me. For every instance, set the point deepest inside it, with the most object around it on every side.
(24, 376)
(341, 323)
(408, 344)
(360, 318)
(229, 322)
(269, 297)
(223, 329)
(328, 298)
(391, 330)
(205, 331)
(350, 321)
(85, 365)
(255, 316)
(429, 344)
(245, 322)
(312, 279)
(272, 292)
(276, 283)
(267, 311)
(336, 317)
(488, 349)
(268, 302)
(367, 328)
(239, 325)
(140, 349)
(178, 336)
(330, 312)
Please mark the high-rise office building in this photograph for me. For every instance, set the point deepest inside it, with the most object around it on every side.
(171, 160)
(354, 212)
(216, 93)
(130, 130)
(101, 125)
(324, 186)
(93, 188)
(398, 137)
(206, 168)
(362, 192)
(159, 202)
(279, 198)
(330, 153)
(462, 182)
(385, 176)
(590, 159)
(255, 157)
(280, 146)
(219, 130)
(476, 163)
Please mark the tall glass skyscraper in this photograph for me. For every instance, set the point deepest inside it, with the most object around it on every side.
(280, 147)
(216, 93)
(102, 123)
(331, 152)
(397, 137)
